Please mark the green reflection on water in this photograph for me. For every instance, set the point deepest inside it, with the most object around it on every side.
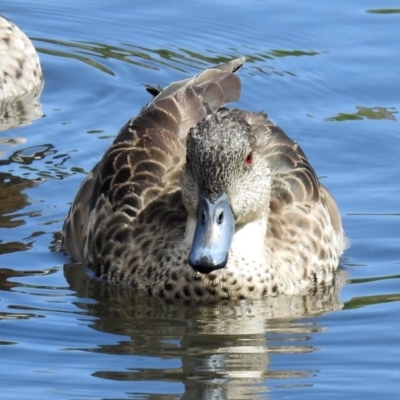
(359, 302)
(156, 59)
(377, 113)
(374, 279)
(297, 53)
(85, 51)
(385, 11)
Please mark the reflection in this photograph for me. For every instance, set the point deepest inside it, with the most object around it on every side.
(6, 286)
(385, 11)
(10, 142)
(178, 59)
(297, 53)
(135, 55)
(54, 167)
(219, 351)
(358, 302)
(11, 200)
(20, 110)
(28, 155)
(366, 112)
(13, 247)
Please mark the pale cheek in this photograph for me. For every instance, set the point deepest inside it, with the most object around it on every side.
(243, 206)
(251, 201)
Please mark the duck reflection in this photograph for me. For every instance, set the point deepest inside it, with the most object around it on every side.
(20, 110)
(11, 200)
(8, 283)
(223, 350)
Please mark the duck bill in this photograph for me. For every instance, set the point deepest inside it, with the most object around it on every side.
(213, 234)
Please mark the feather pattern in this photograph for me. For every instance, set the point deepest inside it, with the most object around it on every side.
(132, 219)
(20, 70)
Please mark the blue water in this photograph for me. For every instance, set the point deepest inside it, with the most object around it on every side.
(328, 73)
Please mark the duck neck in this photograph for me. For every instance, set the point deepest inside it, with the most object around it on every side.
(249, 239)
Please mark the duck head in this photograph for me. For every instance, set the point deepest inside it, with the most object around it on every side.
(225, 185)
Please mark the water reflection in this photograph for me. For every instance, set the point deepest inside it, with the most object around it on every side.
(91, 53)
(20, 110)
(11, 200)
(54, 168)
(377, 113)
(219, 351)
(28, 155)
(363, 301)
(7, 284)
(385, 11)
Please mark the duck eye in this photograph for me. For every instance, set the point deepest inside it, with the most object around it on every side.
(249, 158)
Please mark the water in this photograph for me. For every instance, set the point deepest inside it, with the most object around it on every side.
(327, 72)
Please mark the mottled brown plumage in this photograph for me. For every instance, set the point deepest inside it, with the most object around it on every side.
(134, 217)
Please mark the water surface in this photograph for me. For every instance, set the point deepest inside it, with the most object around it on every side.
(327, 73)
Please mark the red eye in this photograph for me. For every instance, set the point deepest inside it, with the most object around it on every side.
(249, 159)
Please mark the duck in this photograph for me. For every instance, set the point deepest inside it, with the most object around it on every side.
(20, 69)
(195, 201)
